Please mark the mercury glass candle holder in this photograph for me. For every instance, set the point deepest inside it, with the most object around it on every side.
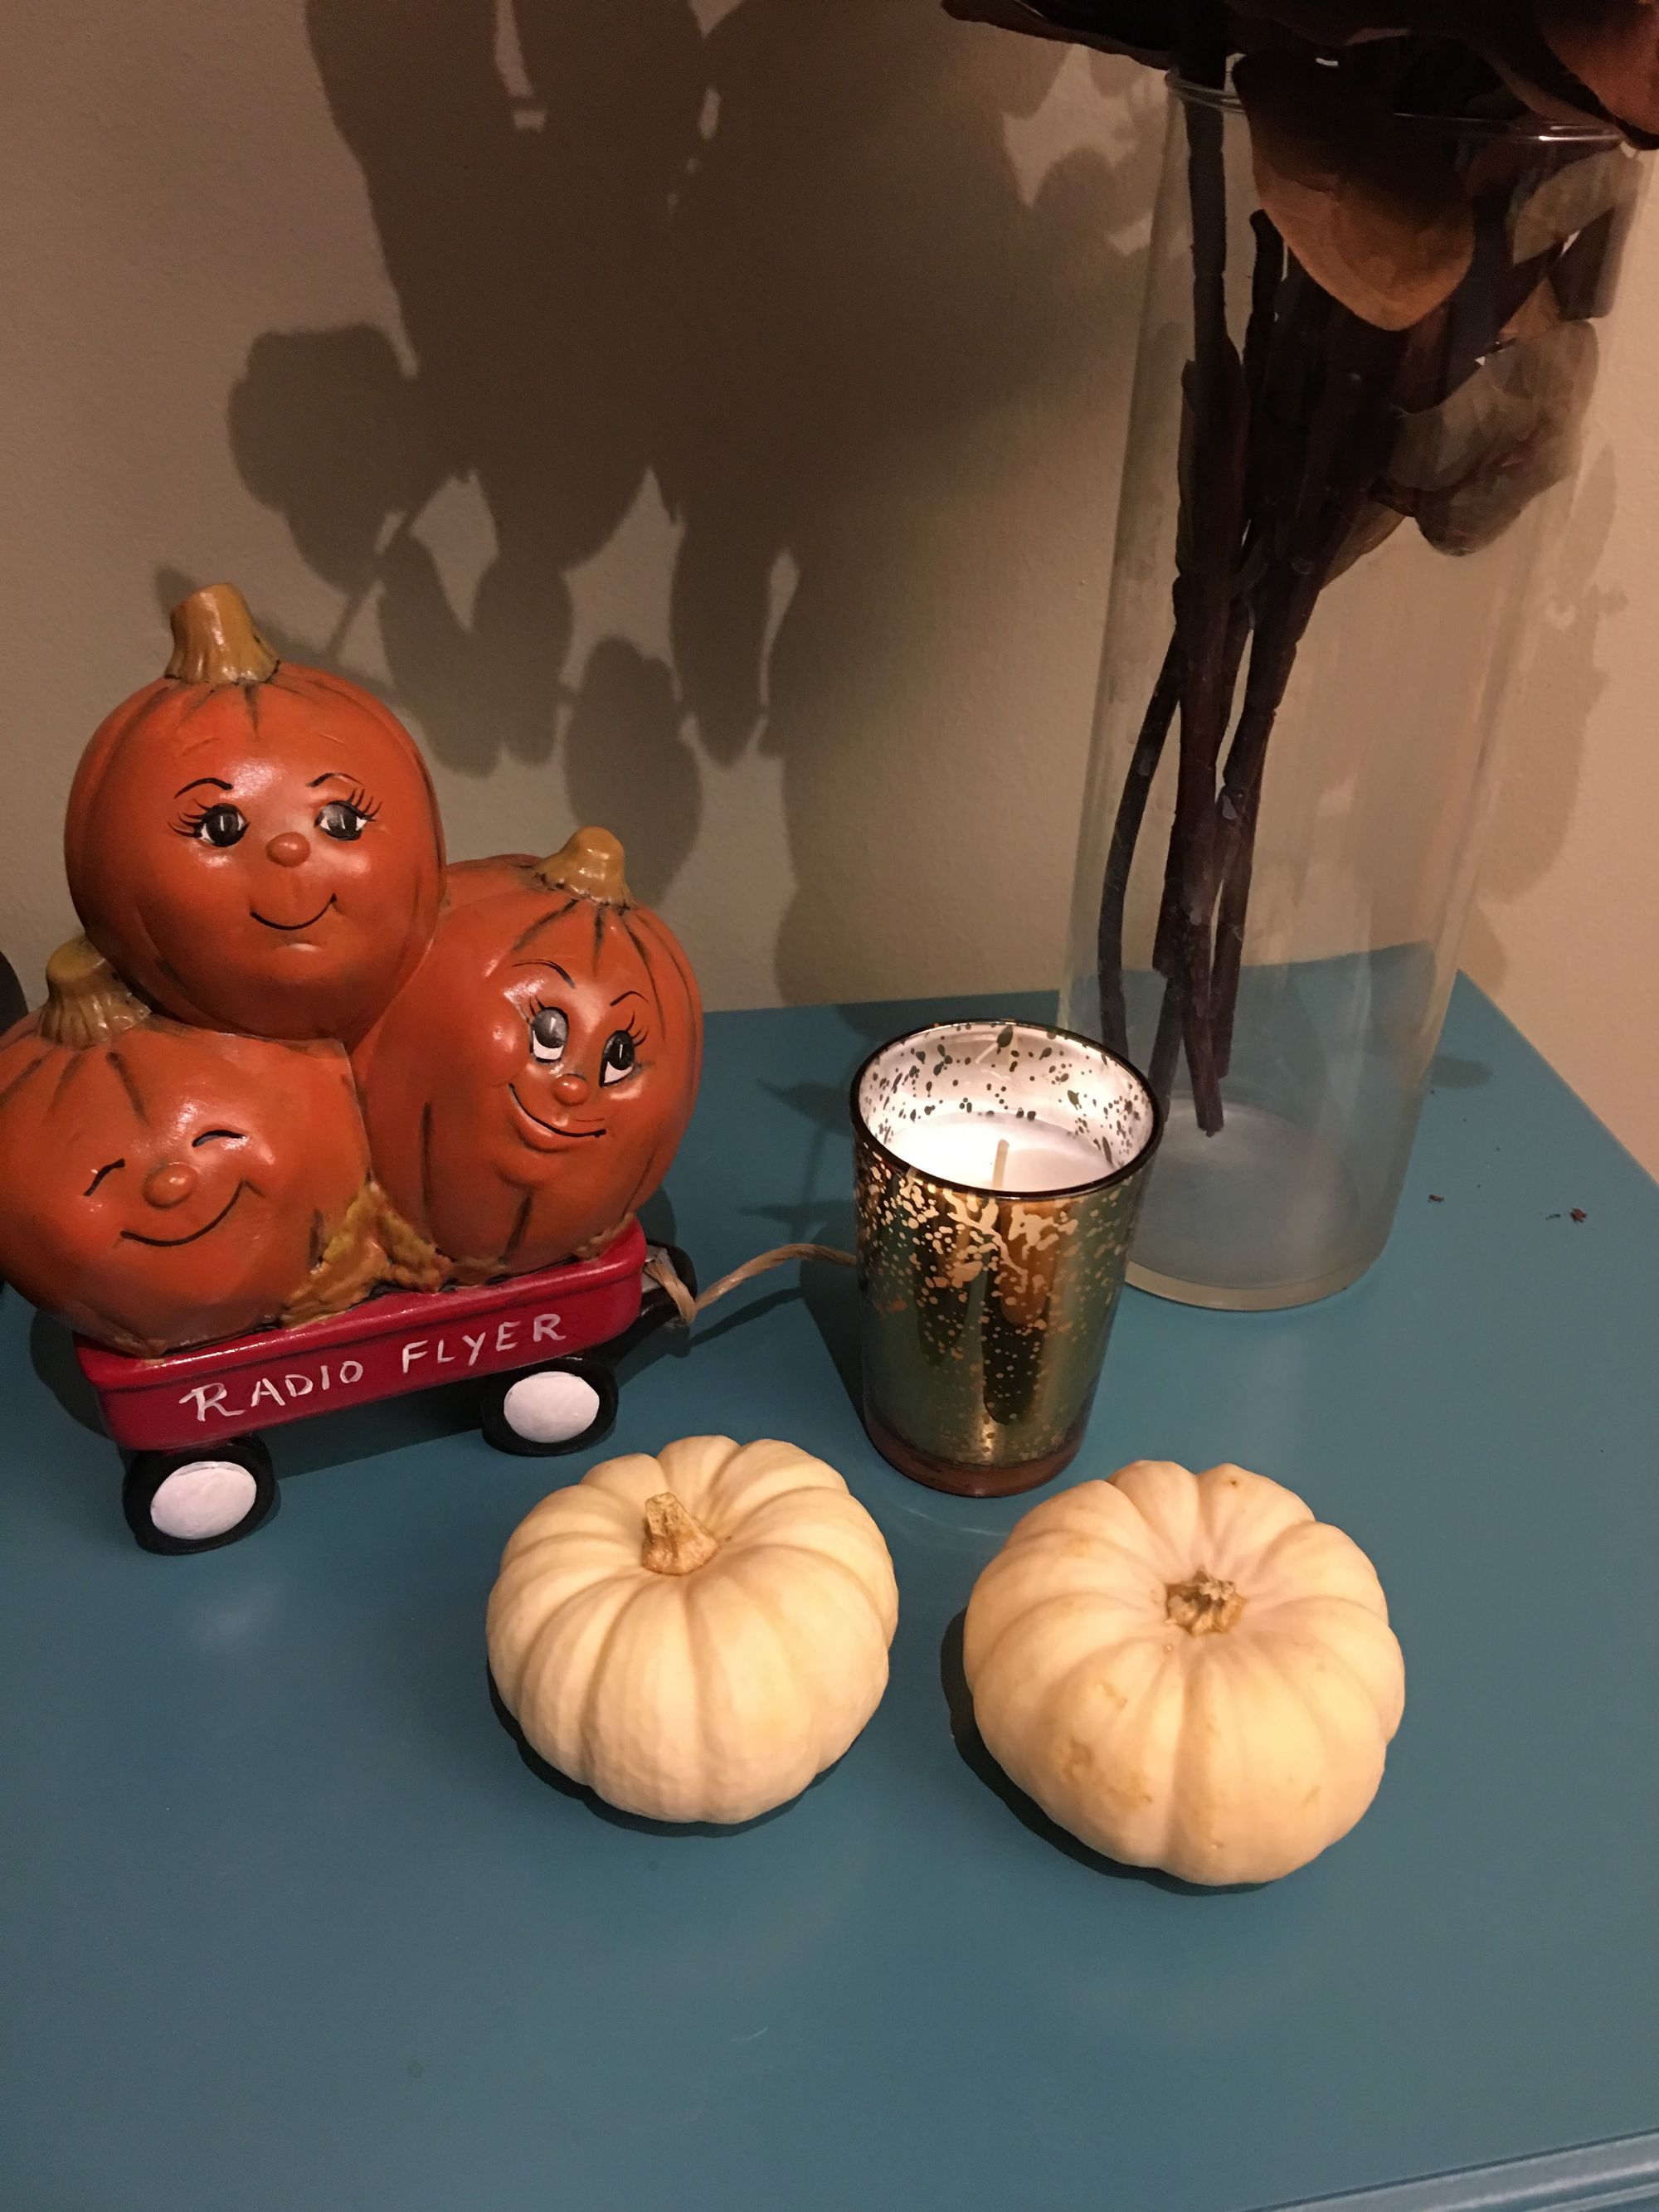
(1000, 1170)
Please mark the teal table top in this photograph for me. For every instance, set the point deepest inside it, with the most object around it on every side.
(286, 1922)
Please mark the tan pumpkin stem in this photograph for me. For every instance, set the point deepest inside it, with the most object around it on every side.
(214, 640)
(675, 1542)
(87, 1002)
(1206, 1605)
(591, 864)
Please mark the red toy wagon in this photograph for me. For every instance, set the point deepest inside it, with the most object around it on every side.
(543, 1345)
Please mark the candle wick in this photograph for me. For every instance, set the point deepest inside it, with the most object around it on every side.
(1000, 1166)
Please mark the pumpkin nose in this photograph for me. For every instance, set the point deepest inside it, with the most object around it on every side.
(288, 849)
(170, 1184)
(571, 1089)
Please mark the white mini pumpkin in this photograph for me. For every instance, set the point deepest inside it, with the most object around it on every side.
(694, 1636)
(1186, 1671)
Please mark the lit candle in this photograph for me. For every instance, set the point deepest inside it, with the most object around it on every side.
(1001, 1168)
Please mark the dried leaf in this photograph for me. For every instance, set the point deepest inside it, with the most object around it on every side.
(1334, 22)
(1371, 206)
(1468, 468)
(1509, 39)
(1572, 199)
(1585, 280)
(1145, 30)
(1372, 526)
(1612, 46)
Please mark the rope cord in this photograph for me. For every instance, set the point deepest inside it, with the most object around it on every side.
(662, 1271)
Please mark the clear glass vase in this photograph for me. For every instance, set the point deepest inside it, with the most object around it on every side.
(1327, 556)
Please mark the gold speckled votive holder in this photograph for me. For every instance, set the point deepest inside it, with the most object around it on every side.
(1000, 1168)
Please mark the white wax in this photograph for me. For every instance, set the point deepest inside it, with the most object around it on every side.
(961, 1148)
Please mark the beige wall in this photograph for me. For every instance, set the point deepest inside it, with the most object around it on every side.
(703, 417)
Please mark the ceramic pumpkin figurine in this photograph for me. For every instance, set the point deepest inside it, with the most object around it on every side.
(466, 880)
(527, 1090)
(255, 844)
(162, 1185)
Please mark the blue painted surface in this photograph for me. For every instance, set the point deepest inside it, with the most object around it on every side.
(286, 1922)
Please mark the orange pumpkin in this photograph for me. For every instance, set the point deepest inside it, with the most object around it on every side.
(466, 880)
(526, 1089)
(162, 1185)
(255, 844)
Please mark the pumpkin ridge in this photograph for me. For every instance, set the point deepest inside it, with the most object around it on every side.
(777, 1627)
(189, 708)
(596, 1666)
(1070, 1601)
(426, 1166)
(296, 678)
(1152, 1622)
(1328, 1656)
(1063, 1540)
(836, 1492)
(1327, 1734)
(72, 1067)
(638, 944)
(22, 1077)
(514, 1571)
(1189, 1769)
(116, 1062)
(795, 1490)
(528, 936)
(1265, 1608)
(1231, 1501)
(818, 1521)
(1333, 1655)
(1138, 1711)
(521, 1224)
(550, 1621)
(822, 1560)
(678, 968)
(1054, 1694)
(1345, 1548)
(1249, 1558)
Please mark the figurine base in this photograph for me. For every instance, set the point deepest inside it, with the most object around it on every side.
(967, 1481)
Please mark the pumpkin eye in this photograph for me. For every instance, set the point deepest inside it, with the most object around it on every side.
(220, 825)
(341, 819)
(217, 1136)
(620, 1056)
(108, 1168)
(550, 1032)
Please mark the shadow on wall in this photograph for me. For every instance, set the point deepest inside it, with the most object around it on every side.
(784, 270)
(1551, 698)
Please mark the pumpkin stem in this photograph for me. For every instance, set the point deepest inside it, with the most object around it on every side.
(214, 640)
(87, 1002)
(591, 864)
(674, 1543)
(1206, 1605)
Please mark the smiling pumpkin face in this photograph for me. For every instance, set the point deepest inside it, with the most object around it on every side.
(161, 1185)
(255, 843)
(527, 1090)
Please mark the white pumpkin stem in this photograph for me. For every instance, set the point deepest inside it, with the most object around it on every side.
(675, 1542)
(1206, 1605)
